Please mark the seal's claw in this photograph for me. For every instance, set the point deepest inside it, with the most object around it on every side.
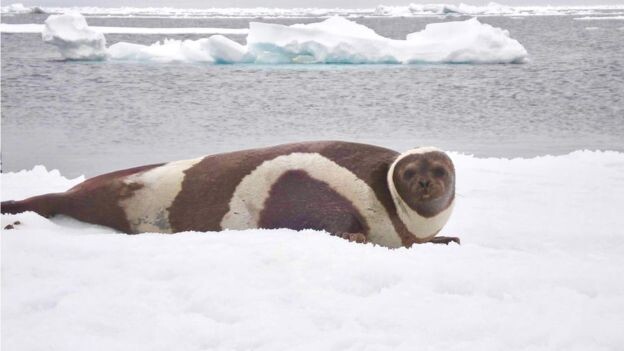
(355, 237)
(445, 240)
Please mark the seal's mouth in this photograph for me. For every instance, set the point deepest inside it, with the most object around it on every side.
(424, 197)
(427, 191)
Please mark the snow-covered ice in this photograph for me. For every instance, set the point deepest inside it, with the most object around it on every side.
(539, 268)
(334, 40)
(74, 39)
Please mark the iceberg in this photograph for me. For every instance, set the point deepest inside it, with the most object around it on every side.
(335, 40)
(71, 34)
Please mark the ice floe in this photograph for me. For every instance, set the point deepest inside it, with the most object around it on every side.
(600, 18)
(542, 252)
(38, 28)
(216, 49)
(411, 10)
(19, 8)
(334, 40)
(73, 37)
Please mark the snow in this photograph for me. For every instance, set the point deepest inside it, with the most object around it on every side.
(38, 28)
(74, 39)
(539, 268)
(411, 10)
(334, 40)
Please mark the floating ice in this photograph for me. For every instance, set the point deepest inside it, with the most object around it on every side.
(38, 28)
(73, 37)
(447, 9)
(338, 40)
(464, 42)
(412, 10)
(18, 8)
(542, 250)
(216, 49)
(600, 18)
(334, 40)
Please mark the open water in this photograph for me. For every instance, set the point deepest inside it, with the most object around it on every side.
(93, 117)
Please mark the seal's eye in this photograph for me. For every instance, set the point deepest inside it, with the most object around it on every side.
(439, 172)
(409, 174)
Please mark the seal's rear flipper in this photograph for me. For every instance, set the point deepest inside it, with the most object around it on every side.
(12, 207)
(45, 205)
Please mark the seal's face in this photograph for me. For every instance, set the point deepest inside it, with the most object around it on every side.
(425, 181)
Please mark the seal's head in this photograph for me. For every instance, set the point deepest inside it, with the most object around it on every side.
(424, 180)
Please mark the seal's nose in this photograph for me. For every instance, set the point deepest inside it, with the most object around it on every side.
(424, 183)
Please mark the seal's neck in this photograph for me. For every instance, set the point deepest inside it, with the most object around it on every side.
(421, 227)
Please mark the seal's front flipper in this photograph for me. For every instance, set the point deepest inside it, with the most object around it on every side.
(445, 240)
(354, 237)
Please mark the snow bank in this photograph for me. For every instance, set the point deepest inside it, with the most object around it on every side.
(539, 269)
(334, 40)
(73, 37)
(412, 10)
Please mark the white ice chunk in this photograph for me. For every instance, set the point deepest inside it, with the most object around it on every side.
(216, 49)
(71, 34)
(224, 50)
(338, 40)
(335, 40)
(464, 42)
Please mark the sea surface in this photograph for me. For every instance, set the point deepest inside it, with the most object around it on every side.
(92, 117)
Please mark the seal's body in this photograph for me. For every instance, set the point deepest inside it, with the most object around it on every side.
(390, 199)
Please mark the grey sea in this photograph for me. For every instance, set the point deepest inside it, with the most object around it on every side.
(92, 117)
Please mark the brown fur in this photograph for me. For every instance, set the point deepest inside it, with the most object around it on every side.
(298, 201)
(209, 185)
(95, 200)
